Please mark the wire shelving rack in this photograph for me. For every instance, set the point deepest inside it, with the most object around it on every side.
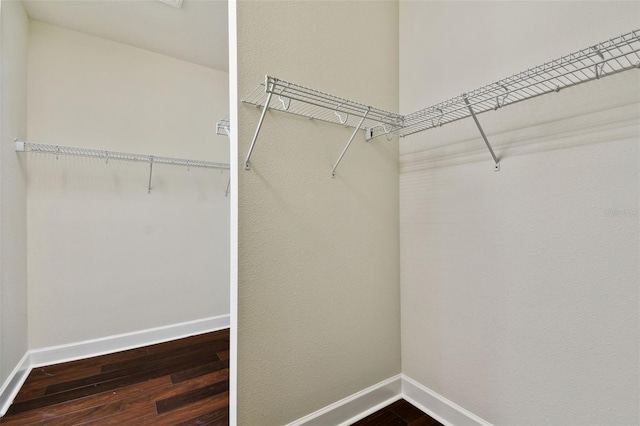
(62, 150)
(223, 127)
(606, 58)
(592, 63)
(310, 103)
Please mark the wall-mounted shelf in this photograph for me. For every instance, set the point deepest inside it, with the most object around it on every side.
(303, 101)
(594, 62)
(223, 127)
(61, 150)
(609, 57)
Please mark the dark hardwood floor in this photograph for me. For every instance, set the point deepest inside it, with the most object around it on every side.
(399, 413)
(182, 382)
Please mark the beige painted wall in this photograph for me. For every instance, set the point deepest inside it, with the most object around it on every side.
(318, 280)
(14, 26)
(104, 256)
(520, 296)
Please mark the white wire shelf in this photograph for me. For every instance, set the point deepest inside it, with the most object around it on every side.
(606, 58)
(310, 103)
(58, 150)
(594, 62)
(62, 150)
(313, 104)
(223, 128)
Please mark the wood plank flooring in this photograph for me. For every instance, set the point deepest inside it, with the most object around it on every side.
(399, 413)
(181, 382)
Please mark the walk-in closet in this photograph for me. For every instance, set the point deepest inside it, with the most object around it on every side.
(322, 213)
(117, 208)
(474, 248)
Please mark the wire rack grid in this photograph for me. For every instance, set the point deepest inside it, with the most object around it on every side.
(606, 58)
(314, 104)
(223, 127)
(58, 150)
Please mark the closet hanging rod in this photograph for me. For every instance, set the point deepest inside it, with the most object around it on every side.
(57, 150)
(603, 59)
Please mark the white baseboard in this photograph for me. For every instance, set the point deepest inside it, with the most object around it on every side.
(105, 345)
(437, 406)
(14, 382)
(356, 406)
(122, 342)
(361, 404)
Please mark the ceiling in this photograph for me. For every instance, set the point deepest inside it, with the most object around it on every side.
(197, 32)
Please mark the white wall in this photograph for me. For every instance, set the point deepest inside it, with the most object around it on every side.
(520, 296)
(104, 256)
(14, 27)
(318, 272)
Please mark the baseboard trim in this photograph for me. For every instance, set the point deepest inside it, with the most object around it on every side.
(122, 342)
(105, 345)
(359, 405)
(437, 406)
(14, 382)
(356, 406)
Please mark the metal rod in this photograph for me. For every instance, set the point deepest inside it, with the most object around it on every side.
(484, 137)
(150, 173)
(255, 137)
(333, 172)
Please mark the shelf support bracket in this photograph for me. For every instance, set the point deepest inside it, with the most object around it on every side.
(150, 173)
(353, 135)
(496, 166)
(255, 137)
(228, 132)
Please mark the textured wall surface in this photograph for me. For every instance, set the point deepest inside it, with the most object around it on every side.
(520, 295)
(13, 199)
(318, 281)
(104, 256)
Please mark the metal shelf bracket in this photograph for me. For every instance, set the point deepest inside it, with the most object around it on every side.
(255, 136)
(150, 173)
(496, 166)
(353, 135)
(370, 132)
